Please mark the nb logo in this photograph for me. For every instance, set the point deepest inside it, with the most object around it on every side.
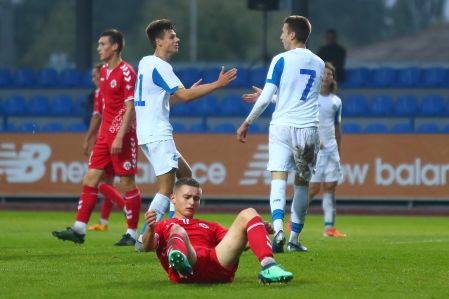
(26, 165)
(256, 168)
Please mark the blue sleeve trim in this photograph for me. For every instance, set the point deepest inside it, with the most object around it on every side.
(159, 81)
(277, 72)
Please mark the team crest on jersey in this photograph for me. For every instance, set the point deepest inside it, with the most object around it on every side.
(113, 83)
(127, 165)
(203, 225)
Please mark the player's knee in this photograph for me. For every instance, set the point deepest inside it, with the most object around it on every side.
(177, 229)
(248, 214)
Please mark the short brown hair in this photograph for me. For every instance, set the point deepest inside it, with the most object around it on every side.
(115, 37)
(300, 26)
(157, 28)
(333, 86)
(186, 181)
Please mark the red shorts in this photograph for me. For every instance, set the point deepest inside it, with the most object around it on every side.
(124, 163)
(206, 270)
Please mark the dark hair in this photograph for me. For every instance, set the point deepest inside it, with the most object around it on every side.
(157, 28)
(300, 26)
(333, 85)
(186, 181)
(115, 37)
(98, 66)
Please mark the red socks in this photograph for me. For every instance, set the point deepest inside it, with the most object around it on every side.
(132, 208)
(106, 208)
(111, 193)
(86, 204)
(176, 242)
(258, 238)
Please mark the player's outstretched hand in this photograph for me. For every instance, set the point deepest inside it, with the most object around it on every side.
(150, 217)
(252, 97)
(242, 131)
(224, 78)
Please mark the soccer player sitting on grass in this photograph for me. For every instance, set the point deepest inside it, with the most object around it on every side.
(193, 250)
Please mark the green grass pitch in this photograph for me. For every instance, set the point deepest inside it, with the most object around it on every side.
(382, 257)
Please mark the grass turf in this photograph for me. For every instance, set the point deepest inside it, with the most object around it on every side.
(382, 257)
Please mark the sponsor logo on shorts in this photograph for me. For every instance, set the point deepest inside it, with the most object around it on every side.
(113, 83)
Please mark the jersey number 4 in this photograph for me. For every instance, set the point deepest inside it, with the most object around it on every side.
(312, 75)
(138, 92)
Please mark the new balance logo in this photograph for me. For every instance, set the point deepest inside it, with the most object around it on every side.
(257, 168)
(26, 165)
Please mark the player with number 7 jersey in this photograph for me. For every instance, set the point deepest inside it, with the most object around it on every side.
(295, 78)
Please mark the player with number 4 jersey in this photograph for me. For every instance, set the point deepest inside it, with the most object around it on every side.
(294, 77)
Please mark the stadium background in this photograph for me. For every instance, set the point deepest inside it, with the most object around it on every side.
(395, 95)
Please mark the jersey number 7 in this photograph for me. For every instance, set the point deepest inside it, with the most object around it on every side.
(312, 75)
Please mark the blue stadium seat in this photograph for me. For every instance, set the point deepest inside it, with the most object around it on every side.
(70, 78)
(46, 78)
(29, 127)
(355, 105)
(406, 105)
(428, 128)
(408, 77)
(5, 77)
(351, 128)
(11, 128)
(189, 75)
(52, 127)
(242, 79)
(62, 105)
(78, 105)
(356, 77)
(231, 105)
(445, 129)
(23, 77)
(376, 128)
(257, 76)
(87, 79)
(402, 128)
(198, 128)
(179, 128)
(254, 129)
(183, 109)
(435, 77)
(207, 106)
(77, 127)
(224, 128)
(432, 105)
(383, 77)
(381, 105)
(38, 105)
(211, 74)
(14, 105)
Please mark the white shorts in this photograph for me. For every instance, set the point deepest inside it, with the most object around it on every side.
(162, 155)
(327, 168)
(293, 149)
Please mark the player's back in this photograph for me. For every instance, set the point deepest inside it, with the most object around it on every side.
(298, 74)
(152, 100)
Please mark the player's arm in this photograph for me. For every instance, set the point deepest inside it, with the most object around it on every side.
(252, 97)
(149, 242)
(128, 116)
(94, 126)
(224, 78)
(338, 137)
(175, 100)
(259, 107)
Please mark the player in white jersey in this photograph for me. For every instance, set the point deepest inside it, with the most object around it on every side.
(156, 84)
(328, 161)
(295, 76)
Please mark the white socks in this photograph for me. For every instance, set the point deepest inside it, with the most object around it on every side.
(80, 227)
(329, 210)
(277, 203)
(299, 209)
(160, 203)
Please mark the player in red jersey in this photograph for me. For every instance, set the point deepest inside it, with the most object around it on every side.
(193, 250)
(116, 144)
(89, 141)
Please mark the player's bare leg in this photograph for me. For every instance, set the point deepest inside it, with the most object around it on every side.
(277, 205)
(86, 205)
(248, 228)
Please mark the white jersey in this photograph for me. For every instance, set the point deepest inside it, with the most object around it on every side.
(156, 81)
(297, 75)
(330, 114)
